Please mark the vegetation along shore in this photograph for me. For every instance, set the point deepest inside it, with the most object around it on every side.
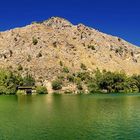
(84, 82)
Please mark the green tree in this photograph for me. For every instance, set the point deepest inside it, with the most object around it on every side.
(137, 78)
(41, 90)
(8, 82)
(28, 81)
(57, 85)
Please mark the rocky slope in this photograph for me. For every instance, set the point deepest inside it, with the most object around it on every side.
(42, 49)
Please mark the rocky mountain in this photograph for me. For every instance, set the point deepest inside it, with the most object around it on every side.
(42, 49)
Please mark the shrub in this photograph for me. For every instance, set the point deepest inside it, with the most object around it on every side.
(119, 39)
(20, 68)
(68, 92)
(55, 44)
(61, 77)
(41, 90)
(93, 87)
(77, 80)
(65, 69)
(70, 78)
(20, 92)
(57, 85)
(35, 41)
(119, 50)
(9, 82)
(79, 87)
(83, 66)
(91, 47)
(29, 58)
(137, 78)
(39, 55)
(61, 63)
(28, 81)
(11, 53)
(84, 76)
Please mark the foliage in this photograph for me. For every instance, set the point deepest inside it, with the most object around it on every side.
(84, 76)
(20, 92)
(113, 82)
(92, 86)
(28, 80)
(8, 82)
(41, 90)
(137, 78)
(39, 55)
(79, 86)
(57, 85)
(119, 50)
(61, 77)
(29, 58)
(91, 47)
(20, 68)
(83, 66)
(65, 69)
(61, 63)
(70, 78)
(35, 41)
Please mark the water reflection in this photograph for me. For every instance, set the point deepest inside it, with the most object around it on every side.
(70, 117)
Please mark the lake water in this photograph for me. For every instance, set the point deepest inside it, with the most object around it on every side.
(70, 117)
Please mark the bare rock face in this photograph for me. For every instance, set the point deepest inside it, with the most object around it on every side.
(57, 23)
(40, 47)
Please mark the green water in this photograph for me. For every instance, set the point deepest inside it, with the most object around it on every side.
(70, 117)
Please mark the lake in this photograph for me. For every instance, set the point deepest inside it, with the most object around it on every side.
(70, 117)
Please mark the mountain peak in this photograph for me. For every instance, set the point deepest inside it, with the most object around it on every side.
(57, 22)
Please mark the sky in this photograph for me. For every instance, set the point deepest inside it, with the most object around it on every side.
(116, 17)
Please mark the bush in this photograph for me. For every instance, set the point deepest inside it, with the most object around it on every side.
(20, 68)
(20, 92)
(137, 80)
(91, 47)
(79, 87)
(28, 81)
(9, 82)
(119, 50)
(92, 86)
(61, 63)
(41, 90)
(35, 41)
(61, 77)
(70, 78)
(29, 58)
(39, 55)
(68, 92)
(83, 66)
(57, 85)
(84, 76)
(65, 69)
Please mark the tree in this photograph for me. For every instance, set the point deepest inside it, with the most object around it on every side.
(112, 82)
(137, 78)
(28, 81)
(57, 85)
(41, 90)
(8, 82)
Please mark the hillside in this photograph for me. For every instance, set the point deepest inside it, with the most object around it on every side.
(44, 49)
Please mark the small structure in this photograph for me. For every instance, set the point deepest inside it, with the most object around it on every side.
(26, 89)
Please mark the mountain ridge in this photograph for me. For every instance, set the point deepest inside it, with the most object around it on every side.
(40, 47)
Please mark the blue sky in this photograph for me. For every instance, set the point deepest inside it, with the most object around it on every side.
(117, 17)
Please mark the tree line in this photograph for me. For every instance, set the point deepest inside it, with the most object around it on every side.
(96, 82)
